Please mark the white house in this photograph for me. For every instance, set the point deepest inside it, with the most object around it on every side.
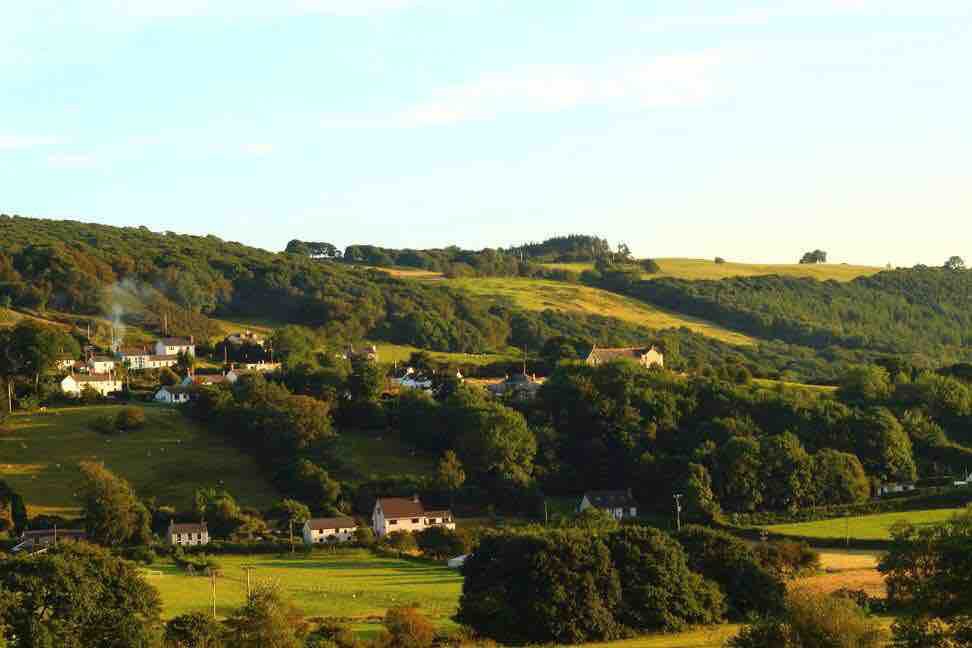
(204, 379)
(245, 337)
(187, 535)
(889, 488)
(620, 504)
(104, 384)
(333, 529)
(174, 394)
(406, 514)
(173, 346)
(101, 364)
(645, 356)
(139, 359)
(457, 562)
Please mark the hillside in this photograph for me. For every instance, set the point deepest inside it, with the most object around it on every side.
(678, 268)
(168, 459)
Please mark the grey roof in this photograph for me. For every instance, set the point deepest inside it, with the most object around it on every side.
(188, 527)
(321, 524)
(611, 499)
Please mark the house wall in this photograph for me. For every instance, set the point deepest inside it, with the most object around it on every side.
(319, 536)
(189, 539)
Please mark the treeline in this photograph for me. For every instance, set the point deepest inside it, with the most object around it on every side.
(923, 313)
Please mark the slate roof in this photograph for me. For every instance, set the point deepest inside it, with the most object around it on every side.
(611, 499)
(401, 507)
(321, 524)
(619, 353)
(175, 341)
(188, 527)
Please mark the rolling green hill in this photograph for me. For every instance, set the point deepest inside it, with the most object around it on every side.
(679, 268)
(168, 459)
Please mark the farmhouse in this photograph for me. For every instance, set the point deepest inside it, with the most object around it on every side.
(205, 379)
(138, 359)
(64, 362)
(645, 356)
(245, 337)
(519, 385)
(101, 364)
(175, 394)
(187, 534)
(104, 384)
(173, 346)
(406, 514)
(333, 529)
(35, 540)
(620, 504)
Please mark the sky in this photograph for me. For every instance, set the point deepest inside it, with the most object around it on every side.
(752, 131)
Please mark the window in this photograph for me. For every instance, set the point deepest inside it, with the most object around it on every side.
(392, 522)
(415, 520)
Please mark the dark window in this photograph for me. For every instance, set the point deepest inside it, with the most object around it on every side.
(390, 522)
(415, 520)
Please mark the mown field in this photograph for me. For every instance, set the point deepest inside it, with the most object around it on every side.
(866, 527)
(168, 459)
(709, 269)
(538, 295)
(352, 584)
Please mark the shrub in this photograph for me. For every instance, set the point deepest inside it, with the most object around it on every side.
(193, 630)
(727, 560)
(130, 418)
(720, 260)
(364, 536)
(812, 620)
(140, 554)
(650, 266)
(401, 541)
(406, 627)
(787, 558)
(439, 542)
(331, 633)
(105, 424)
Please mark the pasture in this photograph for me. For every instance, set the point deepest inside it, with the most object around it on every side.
(541, 294)
(351, 584)
(864, 527)
(168, 459)
(679, 268)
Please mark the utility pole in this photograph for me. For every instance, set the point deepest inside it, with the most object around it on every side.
(9, 394)
(247, 569)
(213, 576)
(291, 535)
(678, 512)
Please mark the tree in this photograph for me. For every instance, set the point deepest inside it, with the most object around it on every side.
(787, 472)
(30, 349)
(13, 512)
(130, 418)
(728, 561)
(870, 383)
(955, 263)
(313, 485)
(650, 266)
(450, 475)
(291, 511)
(740, 484)
(366, 381)
(498, 447)
(113, 515)
(884, 447)
(440, 542)
(266, 620)
(193, 630)
(407, 628)
(658, 590)
(77, 596)
(812, 620)
(839, 478)
(817, 256)
(168, 377)
(558, 586)
(364, 536)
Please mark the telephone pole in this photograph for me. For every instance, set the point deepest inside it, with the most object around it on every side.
(678, 511)
(247, 569)
(291, 535)
(213, 576)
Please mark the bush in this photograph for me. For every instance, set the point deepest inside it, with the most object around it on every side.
(401, 541)
(787, 558)
(130, 418)
(439, 542)
(727, 560)
(331, 633)
(364, 536)
(812, 620)
(720, 260)
(105, 424)
(406, 627)
(140, 554)
(650, 266)
(193, 630)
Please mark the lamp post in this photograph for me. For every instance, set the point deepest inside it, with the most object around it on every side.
(678, 511)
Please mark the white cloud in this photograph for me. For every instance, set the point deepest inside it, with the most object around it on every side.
(258, 148)
(22, 142)
(71, 160)
(639, 84)
(252, 8)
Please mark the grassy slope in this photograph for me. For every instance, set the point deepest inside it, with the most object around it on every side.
(377, 455)
(537, 294)
(706, 269)
(168, 459)
(348, 583)
(867, 527)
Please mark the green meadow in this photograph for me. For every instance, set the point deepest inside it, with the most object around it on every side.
(864, 527)
(168, 459)
(708, 269)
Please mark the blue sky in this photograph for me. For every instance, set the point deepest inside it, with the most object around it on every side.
(754, 131)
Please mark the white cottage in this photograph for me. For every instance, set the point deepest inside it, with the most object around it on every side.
(187, 535)
(173, 346)
(104, 384)
(101, 364)
(174, 394)
(406, 514)
(333, 529)
(619, 504)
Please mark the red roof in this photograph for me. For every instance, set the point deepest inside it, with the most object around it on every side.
(401, 507)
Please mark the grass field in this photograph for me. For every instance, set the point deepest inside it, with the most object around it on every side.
(867, 527)
(709, 269)
(400, 353)
(168, 459)
(350, 584)
(380, 455)
(538, 294)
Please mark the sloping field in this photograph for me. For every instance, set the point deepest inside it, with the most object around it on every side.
(540, 294)
(865, 527)
(167, 459)
(709, 269)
